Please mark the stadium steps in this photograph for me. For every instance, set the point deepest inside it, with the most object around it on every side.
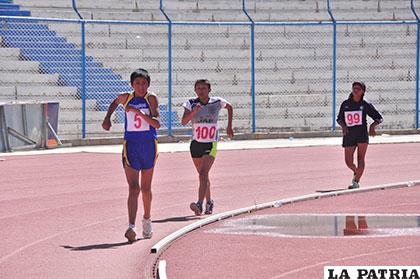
(58, 60)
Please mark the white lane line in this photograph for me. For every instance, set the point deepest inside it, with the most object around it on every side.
(162, 270)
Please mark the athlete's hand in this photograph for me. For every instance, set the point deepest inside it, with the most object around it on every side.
(229, 132)
(136, 111)
(372, 131)
(197, 108)
(106, 124)
(345, 130)
(132, 109)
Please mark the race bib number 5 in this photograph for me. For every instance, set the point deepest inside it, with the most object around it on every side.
(204, 132)
(353, 118)
(135, 123)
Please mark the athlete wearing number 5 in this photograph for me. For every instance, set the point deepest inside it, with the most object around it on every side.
(203, 113)
(140, 147)
(353, 121)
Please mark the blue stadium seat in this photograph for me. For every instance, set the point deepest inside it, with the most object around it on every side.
(7, 6)
(57, 56)
(32, 39)
(14, 13)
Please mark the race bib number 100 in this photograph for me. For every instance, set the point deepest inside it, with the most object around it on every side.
(353, 118)
(135, 123)
(204, 132)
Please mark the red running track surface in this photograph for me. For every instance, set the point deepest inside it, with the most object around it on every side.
(211, 252)
(64, 215)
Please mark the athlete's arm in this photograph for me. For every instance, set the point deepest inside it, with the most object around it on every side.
(229, 129)
(189, 114)
(341, 121)
(376, 116)
(372, 127)
(121, 99)
(153, 119)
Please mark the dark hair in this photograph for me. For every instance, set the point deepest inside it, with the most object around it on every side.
(140, 73)
(361, 84)
(202, 81)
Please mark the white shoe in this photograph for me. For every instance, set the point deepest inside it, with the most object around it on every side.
(354, 185)
(147, 228)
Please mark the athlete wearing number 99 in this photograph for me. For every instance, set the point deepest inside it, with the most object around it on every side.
(352, 119)
(140, 146)
(203, 112)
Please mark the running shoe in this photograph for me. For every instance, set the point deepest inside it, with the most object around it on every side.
(209, 207)
(354, 185)
(131, 235)
(147, 228)
(197, 208)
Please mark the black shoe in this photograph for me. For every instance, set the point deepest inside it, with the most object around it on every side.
(209, 207)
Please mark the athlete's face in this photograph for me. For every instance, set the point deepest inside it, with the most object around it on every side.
(140, 86)
(357, 93)
(202, 90)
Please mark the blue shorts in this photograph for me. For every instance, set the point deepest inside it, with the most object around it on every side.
(140, 155)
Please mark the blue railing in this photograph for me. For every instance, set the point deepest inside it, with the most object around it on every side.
(252, 66)
(86, 71)
(417, 61)
(334, 65)
(169, 67)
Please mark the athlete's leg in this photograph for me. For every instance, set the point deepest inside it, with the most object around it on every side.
(361, 154)
(350, 227)
(146, 191)
(197, 164)
(208, 193)
(206, 164)
(362, 223)
(349, 158)
(132, 176)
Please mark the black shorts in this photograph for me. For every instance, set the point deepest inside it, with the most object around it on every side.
(352, 138)
(199, 149)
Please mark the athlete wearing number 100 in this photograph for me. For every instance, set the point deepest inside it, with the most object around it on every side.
(140, 146)
(353, 120)
(203, 112)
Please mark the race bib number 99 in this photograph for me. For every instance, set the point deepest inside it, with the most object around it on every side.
(204, 132)
(135, 123)
(353, 118)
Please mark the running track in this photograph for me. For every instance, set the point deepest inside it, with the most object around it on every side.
(212, 253)
(64, 215)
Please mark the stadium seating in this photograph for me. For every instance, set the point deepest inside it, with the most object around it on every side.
(293, 63)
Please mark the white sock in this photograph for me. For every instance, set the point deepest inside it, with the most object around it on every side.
(132, 226)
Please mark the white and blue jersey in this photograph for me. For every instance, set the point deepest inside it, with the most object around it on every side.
(140, 138)
(135, 127)
(204, 123)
